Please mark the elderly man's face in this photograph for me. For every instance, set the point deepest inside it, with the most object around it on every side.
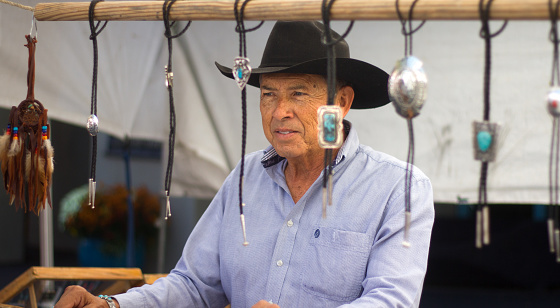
(289, 104)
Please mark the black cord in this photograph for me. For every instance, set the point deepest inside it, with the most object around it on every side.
(553, 211)
(409, 166)
(330, 42)
(553, 179)
(169, 71)
(240, 28)
(484, 12)
(95, 31)
(553, 37)
(408, 33)
(482, 206)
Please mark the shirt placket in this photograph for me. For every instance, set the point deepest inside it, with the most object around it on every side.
(280, 262)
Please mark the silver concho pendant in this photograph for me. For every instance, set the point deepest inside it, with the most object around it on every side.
(408, 87)
(92, 125)
(553, 102)
(241, 71)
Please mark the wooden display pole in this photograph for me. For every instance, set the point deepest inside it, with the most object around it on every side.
(292, 10)
(124, 278)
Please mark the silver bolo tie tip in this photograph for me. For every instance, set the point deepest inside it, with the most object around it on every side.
(406, 241)
(550, 227)
(485, 225)
(91, 193)
(167, 206)
(245, 243)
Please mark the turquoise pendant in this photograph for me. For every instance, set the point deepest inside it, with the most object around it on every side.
(241, 71)
(484, 140)
(330, 127)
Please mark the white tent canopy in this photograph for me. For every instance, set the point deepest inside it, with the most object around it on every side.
(132, 99)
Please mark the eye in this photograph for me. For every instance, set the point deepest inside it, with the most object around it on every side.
(266, 93)
(298, 93)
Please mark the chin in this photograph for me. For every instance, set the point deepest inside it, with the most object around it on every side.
(287, 153)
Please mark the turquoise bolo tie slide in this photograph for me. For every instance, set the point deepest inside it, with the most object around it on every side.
(330, 126)
(241, 71)
(485, 140)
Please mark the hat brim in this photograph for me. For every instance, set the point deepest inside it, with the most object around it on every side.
(368, 81)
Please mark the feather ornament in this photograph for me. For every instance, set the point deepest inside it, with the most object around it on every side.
(26, 153)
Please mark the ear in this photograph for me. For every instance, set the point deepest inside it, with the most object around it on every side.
(345, 97)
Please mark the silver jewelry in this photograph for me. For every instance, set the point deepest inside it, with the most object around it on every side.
(408, 87)
(109, 301)
(241, 71)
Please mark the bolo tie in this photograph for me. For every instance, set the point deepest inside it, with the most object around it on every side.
(329, 116)
(241, 72)
(92, 123)
(553, 106)
(169, 85)
(486, 133)
(26, 152)
(407, 87)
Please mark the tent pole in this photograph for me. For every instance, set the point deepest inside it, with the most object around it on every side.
(292, 10)
(46, 236)
(46, 243)
(46, 239)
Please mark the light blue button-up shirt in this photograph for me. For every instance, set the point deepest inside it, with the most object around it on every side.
(296, 258)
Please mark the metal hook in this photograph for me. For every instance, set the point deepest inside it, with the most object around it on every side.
(33, 23)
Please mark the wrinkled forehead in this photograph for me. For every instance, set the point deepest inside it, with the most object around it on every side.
(278, 79)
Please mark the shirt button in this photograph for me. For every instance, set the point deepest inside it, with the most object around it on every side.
(317, 233)
(279, 263)
(290, 223)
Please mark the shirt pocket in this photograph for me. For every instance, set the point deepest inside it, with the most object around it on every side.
(336, 263)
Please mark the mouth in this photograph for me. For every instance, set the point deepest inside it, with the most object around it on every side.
(284, 132)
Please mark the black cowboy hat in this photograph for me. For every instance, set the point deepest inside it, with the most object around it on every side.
(295, 47)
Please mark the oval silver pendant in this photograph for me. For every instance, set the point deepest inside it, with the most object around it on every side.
(408, 87)
(92, 125)
(553, 102)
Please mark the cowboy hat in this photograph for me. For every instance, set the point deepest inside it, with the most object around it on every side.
(295, 47)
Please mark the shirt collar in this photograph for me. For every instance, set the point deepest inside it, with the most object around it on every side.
(271, 158)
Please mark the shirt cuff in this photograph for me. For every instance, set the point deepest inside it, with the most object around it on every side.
(130, 299)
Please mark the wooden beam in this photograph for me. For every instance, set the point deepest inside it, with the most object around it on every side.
(292, 10)
(32, 295)
(133, 276)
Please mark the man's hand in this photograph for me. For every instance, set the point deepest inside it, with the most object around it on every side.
(78, 297)
(265, 304)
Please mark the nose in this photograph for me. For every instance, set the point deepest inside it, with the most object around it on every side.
(283, 109)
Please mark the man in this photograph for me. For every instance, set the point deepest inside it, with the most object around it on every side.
(296, 258)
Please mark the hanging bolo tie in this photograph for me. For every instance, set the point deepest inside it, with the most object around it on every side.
(553, 106)
(408, 91)
(169, 85)
(330, 126)
(92, 124)
(241, 71)
(485, 133)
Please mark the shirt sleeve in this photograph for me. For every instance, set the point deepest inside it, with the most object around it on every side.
(195, 280)
(395, 274)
